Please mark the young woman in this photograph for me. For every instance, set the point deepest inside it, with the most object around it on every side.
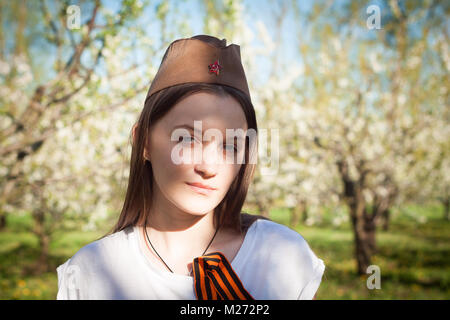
(181, 233)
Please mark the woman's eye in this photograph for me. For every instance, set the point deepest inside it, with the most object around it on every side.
(186, 139)
(190, 139)
(231, 147)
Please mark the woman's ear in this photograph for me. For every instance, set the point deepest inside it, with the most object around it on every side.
(146, 155)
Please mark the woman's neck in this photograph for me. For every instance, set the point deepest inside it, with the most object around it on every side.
(176, 233)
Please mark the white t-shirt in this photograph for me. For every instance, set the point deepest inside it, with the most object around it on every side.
(274, 262)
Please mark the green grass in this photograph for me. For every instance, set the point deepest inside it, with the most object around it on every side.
(413, 257)
(19, 251)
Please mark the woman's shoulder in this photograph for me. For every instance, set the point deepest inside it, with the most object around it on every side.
(284, 254)
(75, 274)
(277, 232)
(272, 230)
(281, 241)
(92, 253)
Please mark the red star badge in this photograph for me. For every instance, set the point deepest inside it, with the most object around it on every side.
(215, 67)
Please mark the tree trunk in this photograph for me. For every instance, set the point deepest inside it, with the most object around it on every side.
(363, 224)
(385, 216)
(294, 217)
(2, 221)
(446, 204)
(41, 265)
(364, 231)
(42, 262)
(304, 211)
(370, 231)
(362, 247)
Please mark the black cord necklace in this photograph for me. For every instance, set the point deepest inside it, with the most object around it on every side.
(145, 229)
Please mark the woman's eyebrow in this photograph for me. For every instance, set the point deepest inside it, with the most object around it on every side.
(187, 126)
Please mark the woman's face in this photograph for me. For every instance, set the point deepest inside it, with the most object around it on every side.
(173, 143)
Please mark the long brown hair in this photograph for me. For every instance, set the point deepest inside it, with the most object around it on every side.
(139, 193)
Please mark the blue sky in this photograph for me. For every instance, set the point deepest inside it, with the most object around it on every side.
(254, 11)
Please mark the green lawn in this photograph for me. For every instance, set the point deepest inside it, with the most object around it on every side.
(413, 257)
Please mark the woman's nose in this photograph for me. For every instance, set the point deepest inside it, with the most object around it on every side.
(210, 160)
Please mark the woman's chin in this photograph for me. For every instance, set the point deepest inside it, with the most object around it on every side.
(197, 209)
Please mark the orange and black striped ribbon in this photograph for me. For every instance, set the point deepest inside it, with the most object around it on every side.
(215, 279)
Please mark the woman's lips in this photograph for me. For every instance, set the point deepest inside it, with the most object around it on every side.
(200, 190)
